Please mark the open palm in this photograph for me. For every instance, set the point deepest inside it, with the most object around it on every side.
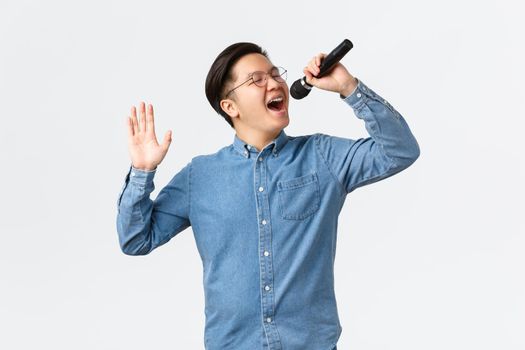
(146, 153)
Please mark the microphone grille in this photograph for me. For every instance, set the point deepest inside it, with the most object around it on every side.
(298, 90)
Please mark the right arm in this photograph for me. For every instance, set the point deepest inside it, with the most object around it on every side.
(143, 224)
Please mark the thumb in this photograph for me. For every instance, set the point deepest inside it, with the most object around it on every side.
(167, 140)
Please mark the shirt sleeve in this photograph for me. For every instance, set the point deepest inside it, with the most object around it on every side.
(144, 224)
(390, 148)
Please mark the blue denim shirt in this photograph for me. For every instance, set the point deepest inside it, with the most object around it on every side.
(265, 225)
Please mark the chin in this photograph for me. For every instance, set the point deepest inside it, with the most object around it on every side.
(284, 121)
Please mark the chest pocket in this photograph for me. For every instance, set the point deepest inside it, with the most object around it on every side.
(299, 197)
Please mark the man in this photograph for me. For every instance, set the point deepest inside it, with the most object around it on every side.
(263, 209)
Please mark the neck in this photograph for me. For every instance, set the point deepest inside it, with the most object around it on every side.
(258, 139)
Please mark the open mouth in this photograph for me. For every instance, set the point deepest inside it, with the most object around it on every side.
(276, 104)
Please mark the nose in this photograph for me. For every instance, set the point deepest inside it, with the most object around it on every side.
(272, 83)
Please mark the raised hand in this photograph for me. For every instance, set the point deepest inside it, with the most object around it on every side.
(338, 80)
(144, 150)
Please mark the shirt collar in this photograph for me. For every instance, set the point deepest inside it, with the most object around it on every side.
(246, 149)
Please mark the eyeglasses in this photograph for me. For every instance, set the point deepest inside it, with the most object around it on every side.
(261, 78)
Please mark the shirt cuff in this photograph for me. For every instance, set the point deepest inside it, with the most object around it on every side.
(141, 177)
(356, 98)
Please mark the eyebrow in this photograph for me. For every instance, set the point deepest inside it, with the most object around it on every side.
(250, 74)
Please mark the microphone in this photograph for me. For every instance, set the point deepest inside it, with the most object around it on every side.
(300, 88)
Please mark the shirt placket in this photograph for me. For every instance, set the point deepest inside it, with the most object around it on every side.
(265, 252)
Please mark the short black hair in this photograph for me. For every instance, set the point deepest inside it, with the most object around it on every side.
(220, 73)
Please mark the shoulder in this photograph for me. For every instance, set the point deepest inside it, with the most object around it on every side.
(210, 158)
(301, 140)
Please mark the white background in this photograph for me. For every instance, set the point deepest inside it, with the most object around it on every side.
(431, 258)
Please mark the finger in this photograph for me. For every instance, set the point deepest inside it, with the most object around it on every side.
(317, 70)
(142, 123)
(129, 124)
(150, 123)
(308, 75)
(134, 120)
(313, 68)
(318, 58)
(313, 65)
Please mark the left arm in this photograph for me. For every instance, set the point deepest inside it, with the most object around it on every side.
(391, 146)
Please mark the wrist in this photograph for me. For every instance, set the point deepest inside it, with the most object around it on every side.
(144, 168)
(348, 87)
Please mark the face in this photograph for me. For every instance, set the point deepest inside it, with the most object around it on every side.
(253, 108)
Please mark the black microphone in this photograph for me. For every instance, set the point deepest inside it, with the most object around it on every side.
(300, 88)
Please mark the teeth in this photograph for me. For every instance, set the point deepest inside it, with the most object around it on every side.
(277, 99)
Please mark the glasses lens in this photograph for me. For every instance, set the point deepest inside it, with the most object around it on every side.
(279, 74)
(259, 78)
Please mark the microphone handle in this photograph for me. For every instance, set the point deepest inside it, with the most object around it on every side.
(333, 57)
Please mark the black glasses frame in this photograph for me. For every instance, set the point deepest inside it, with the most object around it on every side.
(281, 73)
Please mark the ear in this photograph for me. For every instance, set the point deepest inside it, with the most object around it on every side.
(230, 108)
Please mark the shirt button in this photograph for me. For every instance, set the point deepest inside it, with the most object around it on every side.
(261, 189)
(269, 319)
(260, 159)
(266, 253)
(267, 287)
(264, 222)
(358, 94)
(132, 173)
